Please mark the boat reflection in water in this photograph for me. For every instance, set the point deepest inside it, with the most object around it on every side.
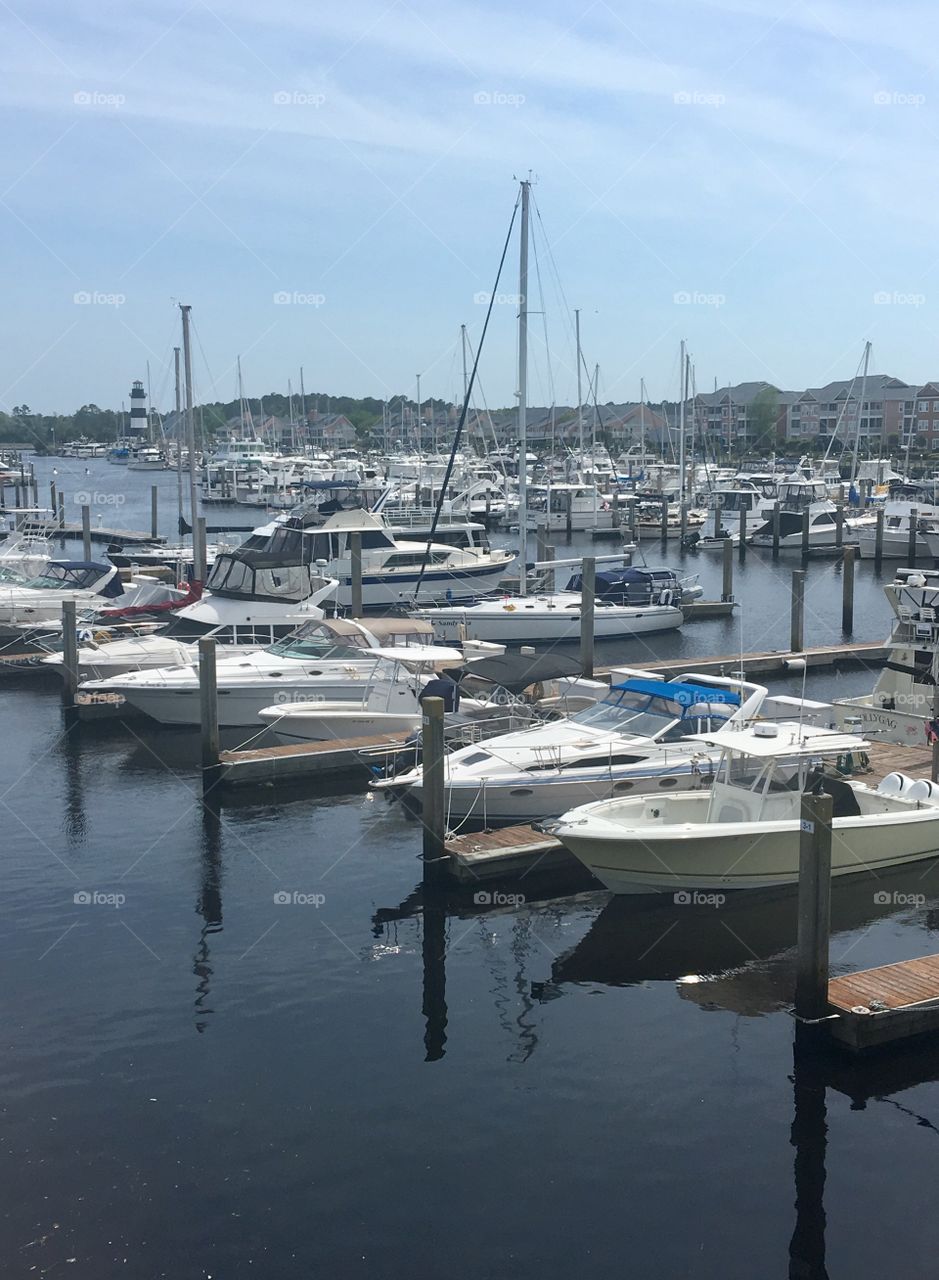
(736, 954)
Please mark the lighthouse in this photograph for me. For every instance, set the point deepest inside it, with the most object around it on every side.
(138, 410)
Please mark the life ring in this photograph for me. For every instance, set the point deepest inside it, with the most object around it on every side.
(665, 597)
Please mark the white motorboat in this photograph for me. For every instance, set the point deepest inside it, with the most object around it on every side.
(798, 494)
(391, 567)
(329, 658)
(546, 618)
(744, 832)
(896, 539)
(38, 600)
(249, 603)
(635, 740)
(391, 700)
(902, 704)
(147, 459)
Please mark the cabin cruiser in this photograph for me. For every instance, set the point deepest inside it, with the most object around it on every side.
(637, 739)
(554, 617)
(251, 601)
(549, 505)
(896, 536)
(744, 832)
(147, 459)
(798, 494)
(391, 567)
(391, 700)
(903, 702)
(37, 600)
(329, 658)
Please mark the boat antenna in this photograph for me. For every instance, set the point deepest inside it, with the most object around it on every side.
(466, 401)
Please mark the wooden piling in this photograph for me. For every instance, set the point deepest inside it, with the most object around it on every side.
(568, 515)
(683, 531)
(61, 516)
(911, 541)
(154, 512)
(727, 589)
(433, 791)
(839, 524)
(814, 907)
(631, 518)
(355, 563)
(805, 533)
(69, 652)
(86, 531)
(742, 527)
(208, 704)
(847, 590)
(717, 515)
(879, 537)
(797, 616)
(777, 517)
(664, 521)
(53, 500)
(934, 769)
(588, 592)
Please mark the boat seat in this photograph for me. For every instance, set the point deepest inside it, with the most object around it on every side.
(844, 801)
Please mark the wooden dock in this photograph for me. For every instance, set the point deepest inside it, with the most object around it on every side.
(511, 851)
(773, 662)
(506, 853)
(268, 765)
(891, 1002)
(52, 530)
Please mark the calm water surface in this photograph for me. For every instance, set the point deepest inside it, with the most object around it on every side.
(199, 1080)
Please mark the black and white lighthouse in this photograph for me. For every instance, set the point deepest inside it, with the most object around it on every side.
(138, 410)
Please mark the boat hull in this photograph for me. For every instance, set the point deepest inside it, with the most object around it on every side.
(518, 622)
(714, 857)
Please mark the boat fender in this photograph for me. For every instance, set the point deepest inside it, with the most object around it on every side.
(101, 637)
(509, 608)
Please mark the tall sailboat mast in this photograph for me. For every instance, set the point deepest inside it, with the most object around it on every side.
(198, 541)
(683, 392)
(523, 393)
(580, 398)
(860, 410)
(179, 443)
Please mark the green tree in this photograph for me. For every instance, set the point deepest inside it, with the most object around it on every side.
(764, 410)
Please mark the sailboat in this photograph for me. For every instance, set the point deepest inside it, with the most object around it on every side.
(556, 615)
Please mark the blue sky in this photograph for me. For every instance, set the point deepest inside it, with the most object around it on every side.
(756, 178)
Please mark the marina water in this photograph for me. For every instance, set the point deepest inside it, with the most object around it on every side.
(237, 1042)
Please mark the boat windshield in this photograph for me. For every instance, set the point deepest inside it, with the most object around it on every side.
(638, 714)
(56, 576)
(314, 640)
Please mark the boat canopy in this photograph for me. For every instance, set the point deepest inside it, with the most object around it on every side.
(516, 671)
(682, 694)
